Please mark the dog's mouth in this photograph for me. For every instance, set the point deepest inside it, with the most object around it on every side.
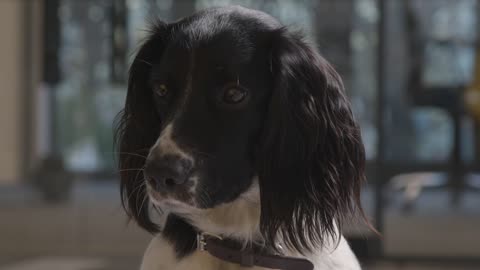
(173, 200)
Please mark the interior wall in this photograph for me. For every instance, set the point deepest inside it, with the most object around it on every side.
(20, 75)
(11, 26)
(38, 119)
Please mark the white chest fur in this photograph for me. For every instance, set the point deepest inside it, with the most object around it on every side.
(160, 256)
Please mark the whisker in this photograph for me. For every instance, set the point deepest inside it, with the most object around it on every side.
(144, 197)
(158, 209)
(129, 153)
(144, 61)
(143, 203)
(141, 170)
(204, 197)
(136, 190)
(202, 153)
(126, 170)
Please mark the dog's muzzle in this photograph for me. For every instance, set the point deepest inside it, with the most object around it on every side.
(167, 172)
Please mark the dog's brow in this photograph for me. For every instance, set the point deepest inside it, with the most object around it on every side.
(188, 86)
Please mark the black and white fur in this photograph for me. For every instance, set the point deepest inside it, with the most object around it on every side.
(234, 125)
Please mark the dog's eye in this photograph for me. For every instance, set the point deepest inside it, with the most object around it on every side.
(161, 90)
(234, 95)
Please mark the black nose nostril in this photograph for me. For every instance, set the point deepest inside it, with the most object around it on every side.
(153, 182)
(170, 182)
(167, 172)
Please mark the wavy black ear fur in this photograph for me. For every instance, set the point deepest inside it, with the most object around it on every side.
(311, 157)
(138, 127)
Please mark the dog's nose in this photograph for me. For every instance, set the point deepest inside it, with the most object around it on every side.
(167, 172)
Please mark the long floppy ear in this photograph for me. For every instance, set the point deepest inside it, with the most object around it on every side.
(311, 157)
(138, 127)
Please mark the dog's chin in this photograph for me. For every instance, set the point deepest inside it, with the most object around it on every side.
(238, 219)
(170, 203)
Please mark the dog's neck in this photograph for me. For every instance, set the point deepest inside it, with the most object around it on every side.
(238, 220)
(180, 234)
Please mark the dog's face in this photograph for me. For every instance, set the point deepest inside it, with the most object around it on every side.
(229, 95)
(210, 88)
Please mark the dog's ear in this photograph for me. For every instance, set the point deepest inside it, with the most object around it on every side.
(311, 157)
(138, 127)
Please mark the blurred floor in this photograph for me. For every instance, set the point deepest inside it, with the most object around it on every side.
(92, 222)
(90, 231)
(71, 263)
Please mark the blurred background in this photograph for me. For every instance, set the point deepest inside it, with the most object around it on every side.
(412, 71)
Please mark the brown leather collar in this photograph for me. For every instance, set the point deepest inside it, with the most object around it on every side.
(248, 257)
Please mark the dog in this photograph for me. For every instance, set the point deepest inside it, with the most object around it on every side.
(235, 127)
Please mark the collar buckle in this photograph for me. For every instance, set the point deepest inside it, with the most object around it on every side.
(202, 241)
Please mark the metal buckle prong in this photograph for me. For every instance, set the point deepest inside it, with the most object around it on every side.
(202, 242)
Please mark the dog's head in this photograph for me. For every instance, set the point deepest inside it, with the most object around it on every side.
(228, 99)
